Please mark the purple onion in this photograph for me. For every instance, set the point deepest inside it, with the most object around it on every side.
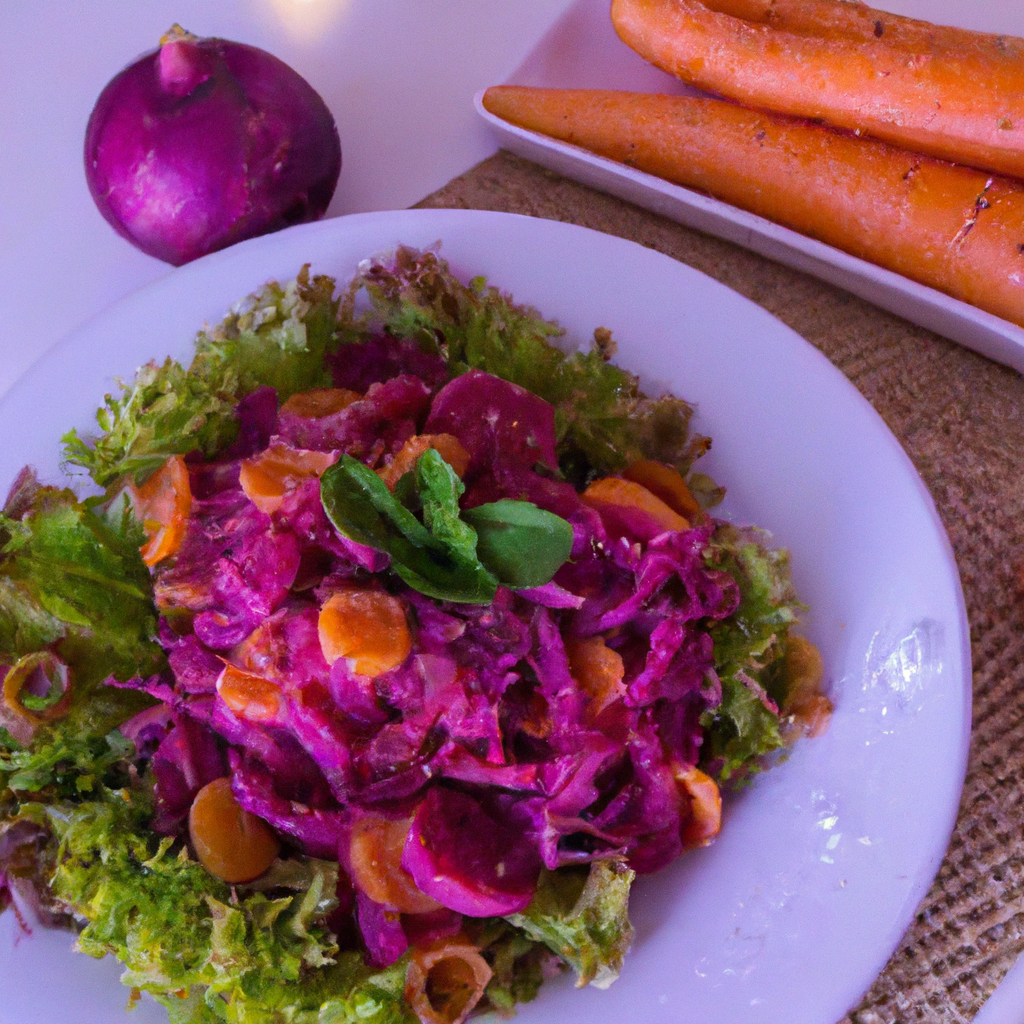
(205, 142)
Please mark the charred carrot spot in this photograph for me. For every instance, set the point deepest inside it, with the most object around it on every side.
(444, 983)
(249, 696)
(163, 504)
(375, 854)
(368, 627)
(665, 483)
(614, 490)
(705, 807)
(446, 445)
(598, 670)
(232, 844)
(266, 478)
(320, 402)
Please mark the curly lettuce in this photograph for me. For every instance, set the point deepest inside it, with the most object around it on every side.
(276, 337)
(602, 419)
(583, 917)
(749, 645)
(203, 949)
(72, 582)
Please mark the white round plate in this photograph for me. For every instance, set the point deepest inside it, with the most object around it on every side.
(791, 913)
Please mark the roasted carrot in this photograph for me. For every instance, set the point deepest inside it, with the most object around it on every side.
(448, 446)
(445, 981)
(163, 504)
(229, 842)
(368, 627)
(614, 490)
(948, 92)
(951, 227)
(705, 808)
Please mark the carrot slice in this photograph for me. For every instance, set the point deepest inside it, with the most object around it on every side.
(447, 446)
(250, 696)
(946, 226)
(268, 477)
(705, 808)
(806, 711)
(163, 504)
(613, 490)
(948, 92)
(665, 483)
(320, 402)
(444, 983)
(599, 670)
(41, 667)
(368, 627)
(375, 853)
(230, 843)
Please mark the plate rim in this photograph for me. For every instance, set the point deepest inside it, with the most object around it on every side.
(249, 251)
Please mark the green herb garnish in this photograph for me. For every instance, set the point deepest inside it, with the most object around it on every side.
(450, 555)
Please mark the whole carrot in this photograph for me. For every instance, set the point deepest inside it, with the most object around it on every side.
(947, 226)
(947, 92)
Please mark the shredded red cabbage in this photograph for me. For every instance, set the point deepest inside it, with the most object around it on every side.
(482, 737)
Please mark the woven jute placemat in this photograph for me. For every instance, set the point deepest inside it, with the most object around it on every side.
(960, 418)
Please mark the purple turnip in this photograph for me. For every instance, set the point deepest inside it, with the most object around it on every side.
(205, 142)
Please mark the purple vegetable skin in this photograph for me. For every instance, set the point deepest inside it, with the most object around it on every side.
(472, 858)
(205, 142)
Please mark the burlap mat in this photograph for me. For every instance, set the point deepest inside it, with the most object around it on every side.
(961, 420)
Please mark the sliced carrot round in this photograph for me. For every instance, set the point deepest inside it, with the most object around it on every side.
(705, 808)
(367, 626)
(665, 483)
(448, 446)
(613, 490)
(163, 504)
(375, 852)
(444, 983)
(249, 696)
(232, 844)
(598, 670)
(268, 477)
(320, 402)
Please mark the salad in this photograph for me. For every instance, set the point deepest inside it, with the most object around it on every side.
(395, 644)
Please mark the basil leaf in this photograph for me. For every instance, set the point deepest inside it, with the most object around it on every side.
(362, 508)
(439, 491)
(523, 545)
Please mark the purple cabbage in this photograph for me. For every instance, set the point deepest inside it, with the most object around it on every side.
(482, 736)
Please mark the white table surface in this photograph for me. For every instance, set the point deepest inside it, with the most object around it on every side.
(398, 75)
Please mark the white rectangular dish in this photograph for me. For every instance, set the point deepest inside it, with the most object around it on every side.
(583, 51)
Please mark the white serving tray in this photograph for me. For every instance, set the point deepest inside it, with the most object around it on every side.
(583, 51)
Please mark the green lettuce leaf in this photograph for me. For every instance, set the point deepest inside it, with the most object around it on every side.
(72, 581)
(603, 420)
(742, 729)
(276, 337)
(207, 951)
(582, 915)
